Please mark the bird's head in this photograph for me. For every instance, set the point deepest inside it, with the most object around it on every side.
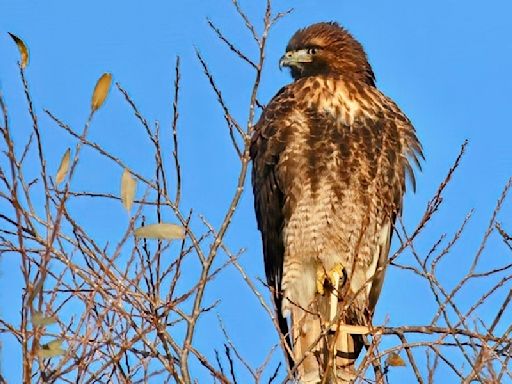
(326, 49)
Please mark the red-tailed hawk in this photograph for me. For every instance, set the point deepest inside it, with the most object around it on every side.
(330, 158)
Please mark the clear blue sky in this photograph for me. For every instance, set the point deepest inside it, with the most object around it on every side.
(446, 64)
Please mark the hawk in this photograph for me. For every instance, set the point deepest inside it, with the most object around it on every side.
(331, 155)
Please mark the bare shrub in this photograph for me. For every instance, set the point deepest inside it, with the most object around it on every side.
(125, 313)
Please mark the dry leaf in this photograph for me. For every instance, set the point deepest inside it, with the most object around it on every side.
(36, 288)
(394, 360)
(161, 231)
(51, 349)
(63, 167)
(39, 319)
(22, 48)
(101, 91)
(128, 186)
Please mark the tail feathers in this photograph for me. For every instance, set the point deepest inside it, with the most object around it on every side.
(348, 348)
(333, 355)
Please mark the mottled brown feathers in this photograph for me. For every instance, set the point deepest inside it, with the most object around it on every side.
(330, 156)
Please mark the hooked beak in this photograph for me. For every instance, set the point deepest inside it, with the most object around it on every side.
(295, 58)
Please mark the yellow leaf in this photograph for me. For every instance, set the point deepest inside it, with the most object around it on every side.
(101, 91)
(22, 48)
(161, 231)
(51, 349)
(128, 186)
(39, 319)
(63, 167)
(394, 360)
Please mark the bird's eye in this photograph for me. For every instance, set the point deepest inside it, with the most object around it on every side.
(312, 51)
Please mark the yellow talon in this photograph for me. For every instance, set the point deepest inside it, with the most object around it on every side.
(332, 277)
(336, 271)
(320, 279)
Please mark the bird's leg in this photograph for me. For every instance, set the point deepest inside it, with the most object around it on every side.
(334, 279)
(332, 282)
(335, 275)
(306, 331)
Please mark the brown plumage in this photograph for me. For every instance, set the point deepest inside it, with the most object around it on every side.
(330, 158)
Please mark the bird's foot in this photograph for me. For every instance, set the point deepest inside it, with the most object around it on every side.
(328, 278)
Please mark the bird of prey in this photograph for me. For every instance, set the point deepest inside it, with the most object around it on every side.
(331, 155)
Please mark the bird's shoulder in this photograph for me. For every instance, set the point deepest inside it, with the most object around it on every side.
(281, 111)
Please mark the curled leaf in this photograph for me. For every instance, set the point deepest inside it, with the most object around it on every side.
(394, 360)
(51, 349)
(63, 167)
(128, 186)
(39, 319)
(161, 231)
(22, 48)
(101, 91)
(36, 288)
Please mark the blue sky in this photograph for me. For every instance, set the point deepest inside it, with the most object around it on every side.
(446, 65)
